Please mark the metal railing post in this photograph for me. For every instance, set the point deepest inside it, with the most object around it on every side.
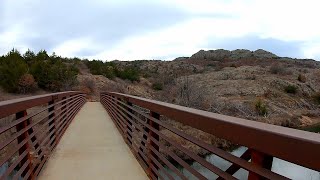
(143, 145)
(26, 146)
(151, 143)
(117, 103)
(67, 102)
(64, 108)
(53, 121)
(129, 127)
(262, 160)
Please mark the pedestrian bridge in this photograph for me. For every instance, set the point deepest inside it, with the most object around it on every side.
(92, 147)
(61, 136)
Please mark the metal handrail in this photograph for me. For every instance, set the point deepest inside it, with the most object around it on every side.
(264, 141)
(15, 105)
(35, 135)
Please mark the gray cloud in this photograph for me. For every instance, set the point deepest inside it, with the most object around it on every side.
(1, 16)
(87, 52)
(46, 24)
(278, 47)
(39, 43)
(57, 21)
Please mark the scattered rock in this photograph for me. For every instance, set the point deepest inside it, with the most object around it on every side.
(305, 121)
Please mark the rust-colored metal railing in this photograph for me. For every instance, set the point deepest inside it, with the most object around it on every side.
(138, 120)
(27, 139)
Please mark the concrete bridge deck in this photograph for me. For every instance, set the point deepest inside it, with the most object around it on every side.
(92, 148)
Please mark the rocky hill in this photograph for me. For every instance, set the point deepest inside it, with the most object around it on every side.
(255, 85)
(221, 54)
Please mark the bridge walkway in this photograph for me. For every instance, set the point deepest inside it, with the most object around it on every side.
(92, 148)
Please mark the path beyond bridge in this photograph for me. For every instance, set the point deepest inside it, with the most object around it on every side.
(92, 148)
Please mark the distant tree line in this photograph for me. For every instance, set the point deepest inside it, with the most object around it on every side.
(112, 70)
(21, 73)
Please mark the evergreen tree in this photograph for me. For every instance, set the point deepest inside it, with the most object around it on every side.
(29, 57)
(42, 55)
(12, 67)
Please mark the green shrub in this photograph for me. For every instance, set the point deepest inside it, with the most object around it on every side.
(261, 108)
(279, 69)
(23, 73)
(157, 86)
(291, 89)
(29, 57)
(108, 72)
(106, 69)
(317, 98)
(146, 74)
(40, 71)
(233, 65)
(275, 69)
(12, 67)
(54, 76)
(95, 67)
(42, 56)
(302, 78)
(129, 73)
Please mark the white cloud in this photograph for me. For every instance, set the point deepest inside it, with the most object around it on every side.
(11, 39)
(71, 47)
(284, 20)
(312, 50)
(208, 22)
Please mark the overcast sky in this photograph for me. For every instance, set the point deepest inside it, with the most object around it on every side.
(159, 29)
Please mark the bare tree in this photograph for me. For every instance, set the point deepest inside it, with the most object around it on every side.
(189, 94)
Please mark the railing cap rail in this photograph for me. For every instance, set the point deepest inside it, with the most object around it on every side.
(293, 145)
(12, 106)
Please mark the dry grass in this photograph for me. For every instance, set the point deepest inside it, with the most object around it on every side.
(226, 86)
(198, 134)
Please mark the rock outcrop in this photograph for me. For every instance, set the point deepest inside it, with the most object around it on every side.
(221, 54)
(260, 53)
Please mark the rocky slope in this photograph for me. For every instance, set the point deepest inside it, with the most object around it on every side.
(227, 82)
(255, 85)
(221, 54)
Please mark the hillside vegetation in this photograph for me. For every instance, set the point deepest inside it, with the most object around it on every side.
(255, 85)
(27, 72)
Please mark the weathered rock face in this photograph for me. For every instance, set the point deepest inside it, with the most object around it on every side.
(221, 54)
(212, 54)
(180, 58)
(240, 53)
(260, 53)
